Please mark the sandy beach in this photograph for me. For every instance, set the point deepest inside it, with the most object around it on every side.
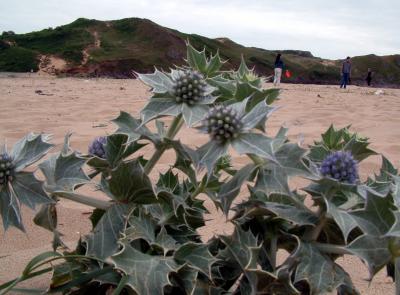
(85, 107)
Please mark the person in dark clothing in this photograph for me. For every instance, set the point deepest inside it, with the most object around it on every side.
(278, 69)
(369, 77)
(346, 73)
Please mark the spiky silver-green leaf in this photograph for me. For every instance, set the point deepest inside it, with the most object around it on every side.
(10, 211)
(103, 241)
(158, 81)
(30, 149)
(197, 256)
(230, 189)
(134, 128)
(129, 183)
(322, 274)
(377, 217)
(64, 172)
(374, 251)
(146, 274)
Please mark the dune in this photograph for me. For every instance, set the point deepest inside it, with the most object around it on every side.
(85, 107)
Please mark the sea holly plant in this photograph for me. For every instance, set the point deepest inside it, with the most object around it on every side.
(182, 92)
(232, 125)
(145, 236)
(17, 185)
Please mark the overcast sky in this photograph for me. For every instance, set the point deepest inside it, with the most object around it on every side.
(329, 29)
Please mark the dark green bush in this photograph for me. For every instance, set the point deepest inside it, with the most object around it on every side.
(17, 59)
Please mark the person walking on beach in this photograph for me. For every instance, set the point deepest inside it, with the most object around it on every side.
(346, 73)
(278, 68)
(369, 77)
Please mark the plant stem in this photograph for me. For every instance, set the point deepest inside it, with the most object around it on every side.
(91, 176)
(175, 127)
(172, 131)
(121, 285)
(397, 274)
(198, 190)
(11, 284)
(332, 249)
(317, 230)
(256, 159)
(274, 249)
(154, 159)
(83, 278)
(313, 234)
(66, 257)
(89, 201)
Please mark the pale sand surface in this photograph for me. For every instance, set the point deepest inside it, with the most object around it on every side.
(86, 107)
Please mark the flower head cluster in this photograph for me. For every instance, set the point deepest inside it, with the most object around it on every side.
(340, 166)
(189, 87)
(223, 123)
(96, 148)
(6, 169)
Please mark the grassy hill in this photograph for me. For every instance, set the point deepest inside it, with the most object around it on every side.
(114, 48)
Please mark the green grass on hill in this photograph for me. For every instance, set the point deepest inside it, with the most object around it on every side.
(18, 59)
(66, 42)
(385, 68)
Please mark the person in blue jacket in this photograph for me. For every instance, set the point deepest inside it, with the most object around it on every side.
(278, 69)
(346, 73)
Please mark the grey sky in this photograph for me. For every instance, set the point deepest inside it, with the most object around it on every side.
(330, 29)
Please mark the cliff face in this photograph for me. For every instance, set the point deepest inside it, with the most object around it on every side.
(116, 48)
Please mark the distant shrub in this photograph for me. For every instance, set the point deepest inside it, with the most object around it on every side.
(75, 56)
(7, 33)
(17, 59)
(65, 41)
(4, 45)
(127, 25)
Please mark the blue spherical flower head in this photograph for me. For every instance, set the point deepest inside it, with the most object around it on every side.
(222, 123)
(6, 169)
(341, 166)
(96, 148)
(189, 87)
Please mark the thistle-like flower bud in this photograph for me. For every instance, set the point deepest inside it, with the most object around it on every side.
(6, 169)
(189, 87)
(222, 123)
(340, 166)
(96, 148)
